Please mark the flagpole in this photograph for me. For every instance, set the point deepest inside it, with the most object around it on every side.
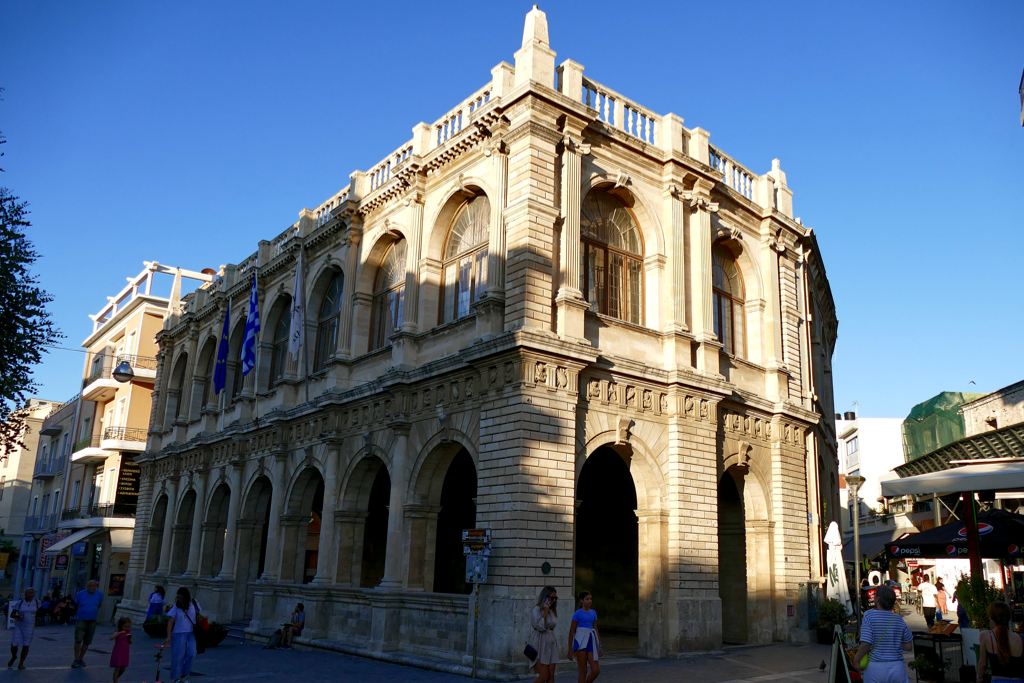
(256, 380)
(305, 344)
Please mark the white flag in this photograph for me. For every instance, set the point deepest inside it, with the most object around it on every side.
(297, 335)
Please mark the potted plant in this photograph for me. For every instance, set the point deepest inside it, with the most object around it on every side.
(975, 594)
(156, 626)
(929, 668)
(216, 634)
(831, 613)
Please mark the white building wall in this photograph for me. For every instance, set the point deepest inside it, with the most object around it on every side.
(879, 450)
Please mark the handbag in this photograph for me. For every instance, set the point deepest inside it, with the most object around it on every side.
(197, 631)
(202, 622)
(530, 651)
(866, 659)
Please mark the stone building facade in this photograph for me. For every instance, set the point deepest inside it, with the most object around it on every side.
(552, 313)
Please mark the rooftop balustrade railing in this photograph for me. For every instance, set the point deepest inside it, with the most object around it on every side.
(381, 173)
(620, 112)
(452, 123)
(736, 176)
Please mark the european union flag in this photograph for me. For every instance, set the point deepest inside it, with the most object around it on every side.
(252, 330)
(220, 370)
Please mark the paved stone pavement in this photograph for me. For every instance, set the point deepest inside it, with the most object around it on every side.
(50, 659)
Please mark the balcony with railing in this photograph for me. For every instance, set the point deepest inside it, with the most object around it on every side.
(41, 522)
(89, 451)
(124, 439)
(48, 468)
(108, 511)
(143, 366)
(100, 385)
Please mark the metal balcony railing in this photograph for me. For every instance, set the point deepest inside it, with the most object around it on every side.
(125, 434)
(96, 374)
(49, 467)
(120, 510)
(87, 442)
(137, 362)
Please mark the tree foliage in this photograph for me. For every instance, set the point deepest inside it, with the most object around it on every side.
(25, 324)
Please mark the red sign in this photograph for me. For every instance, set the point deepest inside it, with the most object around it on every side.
(44, 559)
(61, 563)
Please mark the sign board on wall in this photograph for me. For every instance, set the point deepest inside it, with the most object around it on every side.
(44, 560)
(128, 481)
(116, 588)
(61, 564)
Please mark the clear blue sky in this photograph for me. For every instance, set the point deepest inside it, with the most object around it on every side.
(185, 132)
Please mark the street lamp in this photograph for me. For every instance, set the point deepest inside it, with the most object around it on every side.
(853, 483)
(123, 372)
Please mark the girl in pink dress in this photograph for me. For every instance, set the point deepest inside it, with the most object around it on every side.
(123, 638)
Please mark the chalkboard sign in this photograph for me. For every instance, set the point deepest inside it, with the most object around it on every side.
(128, 482)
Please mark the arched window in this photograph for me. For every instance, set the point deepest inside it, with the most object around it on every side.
(281, 332)
(611, 257)
(388, 295)
(464, 277)
(208, 375)
(727, 289)
(328, 323)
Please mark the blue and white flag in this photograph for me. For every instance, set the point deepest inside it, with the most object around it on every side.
(296, 335)
(220, 370)
(252, 330)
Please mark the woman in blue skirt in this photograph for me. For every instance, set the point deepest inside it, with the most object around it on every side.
(585, 640)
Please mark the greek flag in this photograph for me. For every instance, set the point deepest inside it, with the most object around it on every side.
(252, 329)
(220, 370)
(296, 335)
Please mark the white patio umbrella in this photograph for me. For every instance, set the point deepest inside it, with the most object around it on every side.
(837, 587)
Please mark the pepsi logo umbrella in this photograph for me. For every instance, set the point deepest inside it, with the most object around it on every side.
(1000, 535)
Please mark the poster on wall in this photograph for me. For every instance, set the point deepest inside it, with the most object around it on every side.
(127, 482)
(116, 588)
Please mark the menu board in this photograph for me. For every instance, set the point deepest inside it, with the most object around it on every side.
(128, 481)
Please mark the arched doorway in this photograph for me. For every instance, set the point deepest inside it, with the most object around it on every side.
(214, 529)
(300, 528)
(458, 512)
(156, 534)
(361, 524)
(182, 537)
(607, 545)
(253, 525)
(732, 560)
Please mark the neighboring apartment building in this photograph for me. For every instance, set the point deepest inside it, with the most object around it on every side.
(100, 488)
(16, 472)
(872, 447)
(56, 438)
(553, 314)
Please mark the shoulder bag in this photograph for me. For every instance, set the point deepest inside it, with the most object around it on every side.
(866, 659)
(197, 632)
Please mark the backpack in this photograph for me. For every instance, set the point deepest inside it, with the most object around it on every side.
(274, 641)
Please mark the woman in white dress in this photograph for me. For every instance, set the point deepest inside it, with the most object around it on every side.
(24, 625)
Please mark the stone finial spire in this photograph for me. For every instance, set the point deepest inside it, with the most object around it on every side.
(535, 60)
(536, 29)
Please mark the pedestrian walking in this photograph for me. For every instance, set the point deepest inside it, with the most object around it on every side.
(884, 636)
(542, 637)
(962, 620)
(585, 639)
(1000, 647)
(182, 619)
(941, 600)
(294, 627)
(89, 602)
(122, 638)
(928, 603)
(157, 599)
(23, 614)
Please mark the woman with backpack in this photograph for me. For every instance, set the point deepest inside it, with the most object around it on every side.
(181, 622)
(23, 614)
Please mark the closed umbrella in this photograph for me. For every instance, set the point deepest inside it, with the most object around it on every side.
(837, 587)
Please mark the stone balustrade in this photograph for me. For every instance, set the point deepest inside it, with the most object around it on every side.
(278, 243)
(736, 176)
(619, 112)
(381, 173)
(452, 123)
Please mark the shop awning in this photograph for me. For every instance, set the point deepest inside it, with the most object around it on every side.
(74, 538)
(995, 476)
(874, 544)
(1000, 535)
(121, 540)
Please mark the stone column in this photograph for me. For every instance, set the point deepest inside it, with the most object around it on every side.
(351, 264)
(196, 545)
(490, 308)
(272, 566)
(410, 311)
(350, 526)
(420, 546)
(701, 208)
(677, 342)
(570, 303)
(327, 555)
(394, 561)
(227, 570)
(164, 567)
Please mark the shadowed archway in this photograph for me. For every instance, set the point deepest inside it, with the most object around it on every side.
(253, 525)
